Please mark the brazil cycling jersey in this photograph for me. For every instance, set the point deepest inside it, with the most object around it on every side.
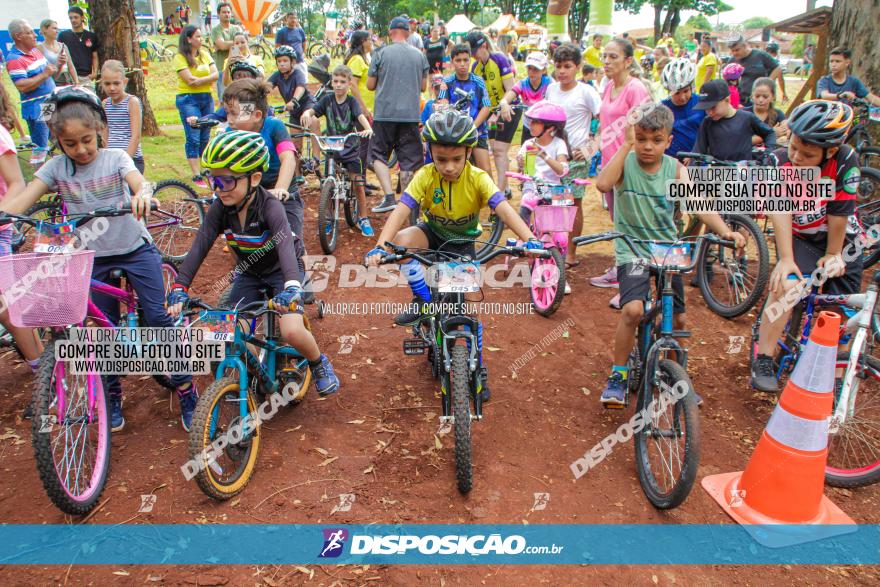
(496, 69)
(452, 208)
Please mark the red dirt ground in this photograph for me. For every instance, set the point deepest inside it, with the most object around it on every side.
(381, 426)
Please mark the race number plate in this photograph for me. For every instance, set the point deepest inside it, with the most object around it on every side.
(54, 238)
(220, 325)
(455, 277)
(671, 255)
(561, 196)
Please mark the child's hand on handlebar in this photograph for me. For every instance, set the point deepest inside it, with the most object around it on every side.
(177, 297)
(366, 133)
(833, 264)
(738, 239)
(141, 206)
(374, 256)
(279, 194)
(192, 120)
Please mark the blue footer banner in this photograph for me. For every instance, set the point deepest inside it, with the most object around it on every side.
(430, 544)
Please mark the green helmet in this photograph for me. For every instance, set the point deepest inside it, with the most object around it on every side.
(238, 151)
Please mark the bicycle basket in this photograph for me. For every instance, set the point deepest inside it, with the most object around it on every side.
(46, 290)
(554, 218)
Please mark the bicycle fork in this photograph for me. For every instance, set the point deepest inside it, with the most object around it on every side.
(861, 323)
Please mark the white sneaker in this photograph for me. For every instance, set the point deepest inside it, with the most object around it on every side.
(567, 289)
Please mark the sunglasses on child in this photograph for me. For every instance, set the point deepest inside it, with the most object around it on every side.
(224, 183)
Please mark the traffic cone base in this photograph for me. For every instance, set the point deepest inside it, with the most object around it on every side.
(830, 520)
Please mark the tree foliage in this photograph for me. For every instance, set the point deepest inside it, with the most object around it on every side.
(757, 22)
(667, 13)
(698, 21)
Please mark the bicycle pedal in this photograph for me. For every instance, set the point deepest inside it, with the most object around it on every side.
(414, 346)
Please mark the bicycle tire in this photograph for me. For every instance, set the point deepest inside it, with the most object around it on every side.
(45, 449)
(686, 408)
(327, 218)
(546, 300)
(865, 474)
(485, 247)
(859, 139)
(869, 156)
(461, 412)
(204, 431)
(181, 200)
(869, 185)
(792, 337)
(352, 211)
(731, 274)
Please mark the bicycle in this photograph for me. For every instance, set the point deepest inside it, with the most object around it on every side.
(552, 221)
(853, 443)
(261, 45)
(457, 366)
(231, 401)
(335, 49)
(71, 423)
(858, 137)
(658, 366)
(731, 283)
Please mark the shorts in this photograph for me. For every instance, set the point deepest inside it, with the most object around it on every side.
(807, 255)
(247, 288)
(402, 137)
(353, 164)
(506, 129)
(483, 143)
(576, 170)
(437, 242)
(638, 286)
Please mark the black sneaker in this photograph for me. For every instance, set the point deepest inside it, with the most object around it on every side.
(389, 202)
(764, 374)
(412, 315)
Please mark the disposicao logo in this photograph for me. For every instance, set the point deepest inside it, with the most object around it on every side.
(334, 541)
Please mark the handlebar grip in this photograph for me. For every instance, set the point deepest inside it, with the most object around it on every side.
(581, 181)
(690, 155)
(520, 176)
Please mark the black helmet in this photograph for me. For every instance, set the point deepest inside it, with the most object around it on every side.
(450, 127)
(77, 94)
(772, 47)
(244, 66)
(821, 122)
(285, 51)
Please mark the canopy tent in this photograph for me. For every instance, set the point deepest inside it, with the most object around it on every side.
(503, 23)
(460, 25)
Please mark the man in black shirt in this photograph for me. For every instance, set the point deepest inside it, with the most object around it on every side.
(756, 63)
(726, 133)
(82, 45)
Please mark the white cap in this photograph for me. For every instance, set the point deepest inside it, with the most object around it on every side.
(536, 59)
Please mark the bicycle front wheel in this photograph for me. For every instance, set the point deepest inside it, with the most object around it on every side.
(328, 217)
(732, 281)
(461, 412)
(854, 450)
(70, 435)
(175, 226)
(548, 283)
(668, 446)
(223, 474)
(491, 235)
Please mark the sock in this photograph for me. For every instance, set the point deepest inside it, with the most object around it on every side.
(622, 369)
(182, 392)
(315, 363)
(415, 276)
(34, 365)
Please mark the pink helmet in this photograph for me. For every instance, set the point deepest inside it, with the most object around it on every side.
(547, 112)
(732, 71)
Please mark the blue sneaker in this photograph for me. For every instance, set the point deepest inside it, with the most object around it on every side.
(366, 228)
(326, 381)
(188, 400)
(614, 394)
(117, 422)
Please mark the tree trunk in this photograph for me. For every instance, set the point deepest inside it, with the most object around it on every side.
(113, 22)
(676, 20)
(658, 8)
(667, 21)
(854, 24)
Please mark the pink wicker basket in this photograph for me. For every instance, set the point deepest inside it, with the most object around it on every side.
(42, 289)
(554, 218)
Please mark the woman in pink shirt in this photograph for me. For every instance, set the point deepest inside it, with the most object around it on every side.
(622, 93)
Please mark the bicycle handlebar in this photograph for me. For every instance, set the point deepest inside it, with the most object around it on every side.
(79, 219)
(700, 242)
(524, 177)
(759, 158)
(401, 253)
(205, 123)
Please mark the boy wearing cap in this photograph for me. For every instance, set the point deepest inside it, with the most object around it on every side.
(399, 74)
(531, 90)
(726, 133)
(437, 86)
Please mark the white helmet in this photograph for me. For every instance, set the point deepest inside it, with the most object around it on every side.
(678, 74)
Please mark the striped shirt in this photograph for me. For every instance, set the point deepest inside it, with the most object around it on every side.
(119, 125)
(22, 66)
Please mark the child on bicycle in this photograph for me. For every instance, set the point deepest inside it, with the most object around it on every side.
(257, 230)
(88, 178)
(549, 146)
(451, 192)
(343, 114)
(678, 77)
(465, 85)
(11, 181)
(726, 132)
(638, 174)
(839, 85)
(290, 83)
(807, 242)
(731, 74)
(124, 113)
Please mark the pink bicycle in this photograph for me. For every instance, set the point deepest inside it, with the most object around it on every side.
(553, 212)
(49, 288)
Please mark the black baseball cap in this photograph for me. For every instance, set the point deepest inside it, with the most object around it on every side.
(476, 39)
(399, 22)
(712, 92)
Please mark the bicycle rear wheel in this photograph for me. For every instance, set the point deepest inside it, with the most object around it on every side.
(174, 227)
(668, 446)
(226, 473)
(854, 450)
(70, 435)
(732, 282)
(869, 157)
(461, 411)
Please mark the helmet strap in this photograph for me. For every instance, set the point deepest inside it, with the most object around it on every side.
(247, 197)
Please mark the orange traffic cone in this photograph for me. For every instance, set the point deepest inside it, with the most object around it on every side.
(783, 482)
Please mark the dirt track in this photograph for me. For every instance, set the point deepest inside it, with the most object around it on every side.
(382, 426)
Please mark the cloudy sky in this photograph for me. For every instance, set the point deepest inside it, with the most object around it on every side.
(742, 10)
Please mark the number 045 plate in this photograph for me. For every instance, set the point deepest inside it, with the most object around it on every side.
(453, 277)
